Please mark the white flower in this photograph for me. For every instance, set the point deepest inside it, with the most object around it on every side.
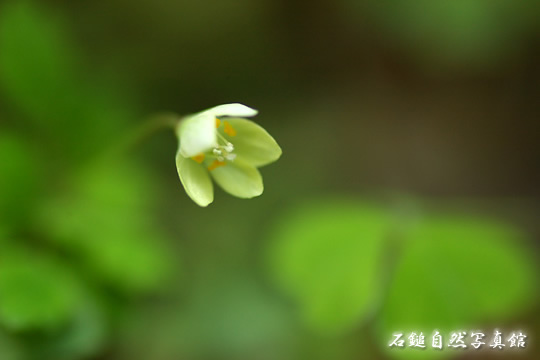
(221, 144)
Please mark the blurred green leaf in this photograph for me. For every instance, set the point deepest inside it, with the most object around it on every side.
(105, 222)
(327, 257)
(471, 32)
(456, 273)
(10, 349)
(35, 291)
(226, 316)
(19, 180)
(220, 318)
(36, 64)
(41, 74)
(84, 336)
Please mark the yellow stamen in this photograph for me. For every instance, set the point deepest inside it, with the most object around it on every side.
(229, 130)
(198, 158)
(218, 122)
(216, 164)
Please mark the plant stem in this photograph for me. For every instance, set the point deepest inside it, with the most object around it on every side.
(139, 134)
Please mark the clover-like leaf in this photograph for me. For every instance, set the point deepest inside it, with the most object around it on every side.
(456, 273)
(326, 256)
(35, 291)
(105, 223)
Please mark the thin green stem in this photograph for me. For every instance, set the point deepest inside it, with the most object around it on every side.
(141, 133)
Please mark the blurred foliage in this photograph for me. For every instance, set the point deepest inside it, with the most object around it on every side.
(19, 185)
(471, 33)
(104, 222)
(334, 258)
(450, 275)
(328, 257)
(26, 278)
(77, 241)
(229, 316)
(41, 74)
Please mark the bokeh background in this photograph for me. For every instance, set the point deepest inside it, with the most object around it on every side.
(406, 198)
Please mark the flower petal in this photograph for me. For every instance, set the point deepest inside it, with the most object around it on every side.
(252, 143)
(232, 110)
(239, 179)
(197, 134)
(195, 179)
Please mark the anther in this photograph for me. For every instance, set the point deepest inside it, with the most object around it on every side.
(216, 164)
(229, 147)
(198, 158)
(229, 130)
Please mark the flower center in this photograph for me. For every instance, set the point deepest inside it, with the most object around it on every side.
(223, 152)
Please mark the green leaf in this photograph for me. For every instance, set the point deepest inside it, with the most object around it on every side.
(35, 291)
(83, 337)
(326, 256)
(477, 33)
(218, 319)
(41, 76)
(106, 223)
(239, 179)
(195, 179)
(456, 273)
(252, 143)
(9, 347)
(36, 64)
(19, 180)
(214, 321)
